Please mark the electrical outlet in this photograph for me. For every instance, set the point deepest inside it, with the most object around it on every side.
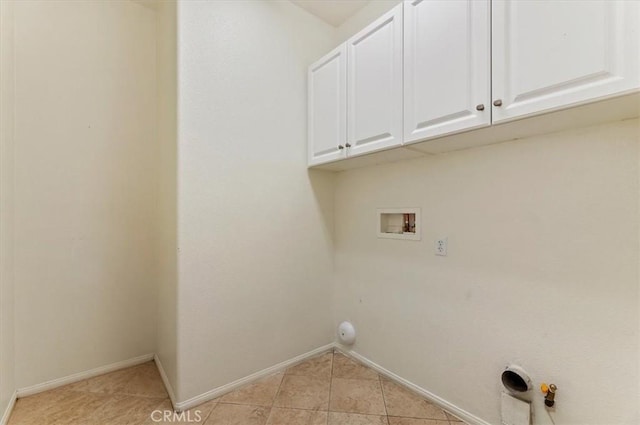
(441, 247)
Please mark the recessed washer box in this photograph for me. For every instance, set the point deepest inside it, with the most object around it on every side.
(399, 223)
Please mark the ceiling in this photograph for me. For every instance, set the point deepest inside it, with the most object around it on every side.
(333, 12)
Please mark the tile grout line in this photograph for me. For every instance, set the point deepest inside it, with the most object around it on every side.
(159, 406)
(237, 403)
(210, 412)
(333, 357)
(273, 402)
(384, 399)
(270, 406)
(414, 417)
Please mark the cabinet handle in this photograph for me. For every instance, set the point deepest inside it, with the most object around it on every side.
(480, 107)
(340, 147)
(348, 145)
(497, 102)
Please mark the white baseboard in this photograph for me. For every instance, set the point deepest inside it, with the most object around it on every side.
(217, 392)
(55, 383)
(449, 407)
(9, 409)
(165, 380)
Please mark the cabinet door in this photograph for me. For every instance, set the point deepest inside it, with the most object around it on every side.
(446, 67)
(327, 125)
(552, 54)
(374, 114)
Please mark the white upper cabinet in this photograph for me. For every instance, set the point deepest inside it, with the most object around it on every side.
(553, 54)
(374, 113)
(429, 70)
(447, 78)
(328, 108)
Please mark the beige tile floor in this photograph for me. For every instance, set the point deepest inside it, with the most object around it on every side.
(330, 389)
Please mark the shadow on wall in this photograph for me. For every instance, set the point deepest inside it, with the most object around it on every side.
(322, 186)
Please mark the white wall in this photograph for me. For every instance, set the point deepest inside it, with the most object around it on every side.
(542, 270)
(166, 231)
(85, 189)
(254, 226)
(7, 383)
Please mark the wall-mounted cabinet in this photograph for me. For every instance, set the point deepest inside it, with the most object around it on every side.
(447, 82)
(374, 81)
(470, 66)
(327, 113)
(355, 94)
(550, 55)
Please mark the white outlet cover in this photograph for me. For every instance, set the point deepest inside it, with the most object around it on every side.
(440, 247)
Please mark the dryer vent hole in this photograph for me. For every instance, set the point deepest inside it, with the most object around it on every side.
(514, 382)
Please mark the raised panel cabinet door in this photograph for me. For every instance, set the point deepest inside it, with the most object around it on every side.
(327, 121)
(374, 60)
(447, 67)
(553, 54)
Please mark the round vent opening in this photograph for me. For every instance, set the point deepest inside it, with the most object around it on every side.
(514, 382)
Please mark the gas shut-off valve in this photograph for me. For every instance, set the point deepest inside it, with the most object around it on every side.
(549, 392)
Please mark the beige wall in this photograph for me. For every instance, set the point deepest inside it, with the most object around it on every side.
(166, 244)
(85, 189)
(7, 383)
(254, 226)
(542, 270)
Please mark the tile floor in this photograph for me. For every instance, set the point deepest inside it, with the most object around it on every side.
(330, 389)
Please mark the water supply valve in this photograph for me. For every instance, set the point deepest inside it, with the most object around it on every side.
(549, 392)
